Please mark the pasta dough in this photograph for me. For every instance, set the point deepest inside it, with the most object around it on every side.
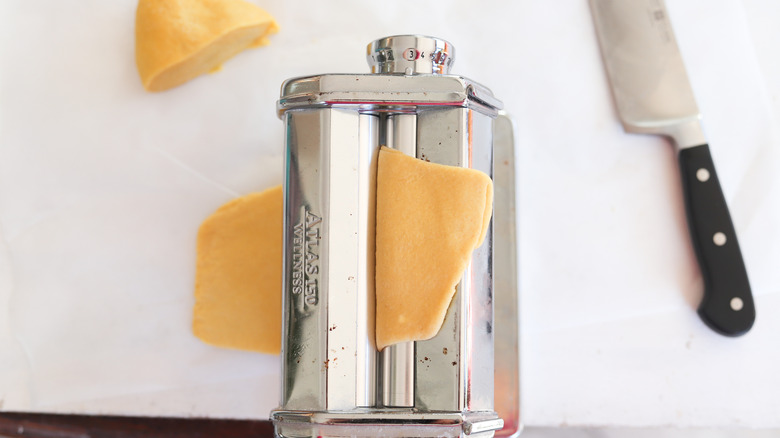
(178, 40)
(429, 219)
(238, 282)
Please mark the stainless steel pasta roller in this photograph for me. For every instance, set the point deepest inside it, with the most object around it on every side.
(462, 382)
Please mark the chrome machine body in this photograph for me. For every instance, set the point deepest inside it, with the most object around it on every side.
(335, 383)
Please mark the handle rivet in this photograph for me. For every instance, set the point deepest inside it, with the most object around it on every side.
(719, 238)
(736, 304)
(702, 174)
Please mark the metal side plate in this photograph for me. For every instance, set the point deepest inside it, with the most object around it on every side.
(505, 279)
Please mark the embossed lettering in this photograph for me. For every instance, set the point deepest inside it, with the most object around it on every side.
(297, 259)
(305, 257)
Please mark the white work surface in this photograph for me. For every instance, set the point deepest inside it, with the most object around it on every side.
(103, 186)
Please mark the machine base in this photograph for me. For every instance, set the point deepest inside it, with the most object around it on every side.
(386, 422)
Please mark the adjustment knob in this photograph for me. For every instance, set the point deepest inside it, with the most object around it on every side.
(410, 54)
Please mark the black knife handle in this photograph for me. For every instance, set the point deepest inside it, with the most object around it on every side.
(727, 306)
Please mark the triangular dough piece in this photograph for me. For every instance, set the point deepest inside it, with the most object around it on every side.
(238, 283)
(429, 219)
(177, 40)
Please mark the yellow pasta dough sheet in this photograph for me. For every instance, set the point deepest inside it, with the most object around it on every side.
(178, 40)
(429, 219)
(238, 281)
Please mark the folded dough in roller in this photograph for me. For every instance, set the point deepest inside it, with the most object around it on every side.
(429, 219)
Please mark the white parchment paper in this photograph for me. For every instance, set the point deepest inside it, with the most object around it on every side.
(103, 186)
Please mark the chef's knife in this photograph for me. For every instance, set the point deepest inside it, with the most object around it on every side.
(653, 96)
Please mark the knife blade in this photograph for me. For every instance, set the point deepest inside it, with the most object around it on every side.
(653, 96)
